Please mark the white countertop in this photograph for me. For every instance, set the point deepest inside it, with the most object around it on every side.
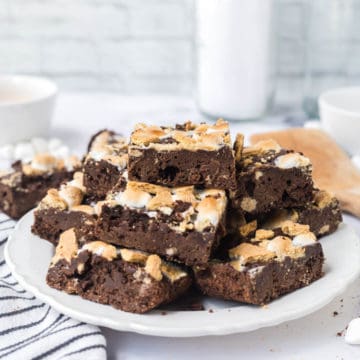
(77, 117)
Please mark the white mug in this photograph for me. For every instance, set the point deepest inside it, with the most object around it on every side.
(26, 107)
(340, 116)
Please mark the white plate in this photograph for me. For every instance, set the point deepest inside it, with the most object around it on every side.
(28, 258)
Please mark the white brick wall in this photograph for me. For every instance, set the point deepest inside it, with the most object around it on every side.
(133, 46)
(130, 46)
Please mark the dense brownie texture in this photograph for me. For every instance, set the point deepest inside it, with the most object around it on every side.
(269, 177)
(269, 266)
(322, 214)
(64, 208)
(188, 154)
(182, 224)
(105, 164)
(26, 184)
(128, 280)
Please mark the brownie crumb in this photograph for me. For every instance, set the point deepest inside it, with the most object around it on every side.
(163, 313)
(341, 333)
(335, 313)
(211, 311)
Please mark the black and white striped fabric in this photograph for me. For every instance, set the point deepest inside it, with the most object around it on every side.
(30, 329)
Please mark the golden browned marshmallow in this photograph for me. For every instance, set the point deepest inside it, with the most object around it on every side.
(292, 160)
(41, 163)
(192, 137)
(185, 194)
(143, 186)
(109, 147)
(67, 247)
(162, 198)
(248, 228)
(263, 234)
(119, 161)
(72, 195)
(133, 198)
(173, 273)
(100, 141)
(261, 147)
(323, 199)
(248, 253)
(291, 228)
(53, 200)
(144, 135)
(153, 267)
(102, 249)
(78, 181)
(84, 208)
(282, 246)
(134, 256)
(209, 211)
(304, 239)
(72, 162)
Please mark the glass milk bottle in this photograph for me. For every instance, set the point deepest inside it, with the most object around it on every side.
(234, 71)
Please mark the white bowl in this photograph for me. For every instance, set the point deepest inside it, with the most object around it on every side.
(340, 116)
(26, 107)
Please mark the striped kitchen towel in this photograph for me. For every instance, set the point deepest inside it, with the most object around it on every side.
(30, 329)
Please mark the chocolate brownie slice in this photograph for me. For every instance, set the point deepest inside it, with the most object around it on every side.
(27, 183)
(64, 208)
(126, 279)
(105, 164)
(269, 177)
(322, 214)
(182, 224)
(264, 268)
(188, 154)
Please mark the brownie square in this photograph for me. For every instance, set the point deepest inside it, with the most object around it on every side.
(105, 164)
(264, 268)
(269, 177)
(27, 183)
(126, 279)
(322, 214)
(182, 224)
(64, 208)
(188, 154)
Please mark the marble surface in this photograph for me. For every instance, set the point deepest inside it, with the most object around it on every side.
(319, 335)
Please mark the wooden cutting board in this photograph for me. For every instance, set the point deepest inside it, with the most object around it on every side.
(332, 168)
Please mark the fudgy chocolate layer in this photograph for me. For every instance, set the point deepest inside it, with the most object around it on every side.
(16, 200)
(114, 283)
(100, 177)
(50, 223)
(211, 169)
(260, 283)
(121, 226)
(321, 221)
(275, 188)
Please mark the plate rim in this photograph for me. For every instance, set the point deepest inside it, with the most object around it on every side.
(133, 325)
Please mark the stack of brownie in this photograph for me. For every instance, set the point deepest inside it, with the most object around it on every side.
(25, 184)
(182, 206)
